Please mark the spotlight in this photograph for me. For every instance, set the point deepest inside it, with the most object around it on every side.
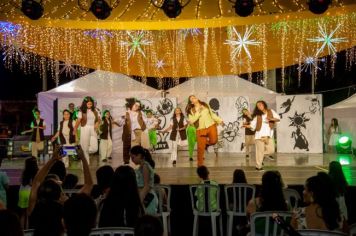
(344, 145)
(172, 8)
(100, 9)
(32, 9)
(318, 6)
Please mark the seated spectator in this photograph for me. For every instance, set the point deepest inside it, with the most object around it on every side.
(271, 197)
(338, 177)
(122, 207)
(145, 178)
(203, 174)
(58, 168)
(162, 193)
(104, 177)
(10, 224)
(4, 184)
(70, 181)
(149, 226)
(239, 177)
(79, 214)
(322, 211)
(28, 174)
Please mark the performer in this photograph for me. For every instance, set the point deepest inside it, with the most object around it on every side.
(134, 124)
(178, 135)
(65, 133)
(89, 120)
(249, 134)
(105, 148)
(152, 124)
(200, 114)
(333, 135)
(263, 123)
(72, 111)
(38, 125)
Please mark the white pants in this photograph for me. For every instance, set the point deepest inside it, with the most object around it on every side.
(105, 148)
(35, 147)
(88, 140)
(175, 143)
(249, 142)
(263, 147)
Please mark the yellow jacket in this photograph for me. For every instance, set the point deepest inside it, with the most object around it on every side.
(206, 118)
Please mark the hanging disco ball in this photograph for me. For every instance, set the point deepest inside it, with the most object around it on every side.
(244, 7)
(100, 9)
(32, 9)
(318, 6)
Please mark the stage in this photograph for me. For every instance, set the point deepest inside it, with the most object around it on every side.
(295, 168)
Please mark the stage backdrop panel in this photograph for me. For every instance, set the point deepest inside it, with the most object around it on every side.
(300, 128)
(230, 110)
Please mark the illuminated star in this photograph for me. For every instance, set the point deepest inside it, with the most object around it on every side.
(136, 42)
(160, 64)
(13, 51)
(192, 32)
(98, 34)
(242, 43)
(69, 69)
(309, 64)
(327, 39)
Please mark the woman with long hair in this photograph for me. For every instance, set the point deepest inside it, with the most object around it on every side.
(145, 178)
(28, 174)
(178, 135)
(239, 177)
(200, 114)
(122, 207)
(134, 122)
(333, 135)
(105, 147)
(271, 197)
(338, 177)
(263, 124)
(89, 121)
(322, 211)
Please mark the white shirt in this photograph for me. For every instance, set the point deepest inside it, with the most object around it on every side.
(66, 130)
(90, 117)
(265, 130)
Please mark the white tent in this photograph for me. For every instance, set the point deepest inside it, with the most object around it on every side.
(222, 86)
(345, 112)
(99, 84)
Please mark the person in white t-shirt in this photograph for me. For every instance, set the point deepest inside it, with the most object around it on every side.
(38, 125)
(263, 123)
(64, 133)
(89, 120)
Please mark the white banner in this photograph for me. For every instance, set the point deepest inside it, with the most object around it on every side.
(300, 128)
(231, 136)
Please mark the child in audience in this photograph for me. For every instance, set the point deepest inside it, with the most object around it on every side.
(203, 174)
(149, 226)
(239, 177)
(70, 181)
(338, 177)
(4, 184)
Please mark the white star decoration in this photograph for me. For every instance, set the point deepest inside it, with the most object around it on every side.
(136, 42)
(309, 64)
(14, 50)
(242, 43)
(160, 64)
(191, 32)
(327, 39)
(68, 68)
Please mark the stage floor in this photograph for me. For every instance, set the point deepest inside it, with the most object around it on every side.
(295, 168)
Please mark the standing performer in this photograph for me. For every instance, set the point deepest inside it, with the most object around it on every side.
(200, 114)
(38, 125)
(89, 120)
(65, 133)
(333, 135)
(263, 123)
(249, 134)
(134, 124)
(152, 124)
(178, 135)
(105, 148)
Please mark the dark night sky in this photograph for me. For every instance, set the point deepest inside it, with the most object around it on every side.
(15, 85)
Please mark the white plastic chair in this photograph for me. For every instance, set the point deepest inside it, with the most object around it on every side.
(112, 231)
(70, 192)
(237, 197)
(312, 232)
(292, 197)
(271, 228)
(207, 210)
(164, 208)
(352, 229)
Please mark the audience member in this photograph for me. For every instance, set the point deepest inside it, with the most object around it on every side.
(203, 174)
(149, 226)
(338, 177)
(104, 177)
(10, 224)
(239, 177)
(70, 181)
(4, 182)
(59, 169)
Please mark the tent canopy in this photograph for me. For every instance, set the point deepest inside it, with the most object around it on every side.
(228, 85)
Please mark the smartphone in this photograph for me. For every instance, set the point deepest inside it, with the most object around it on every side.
(68, 151)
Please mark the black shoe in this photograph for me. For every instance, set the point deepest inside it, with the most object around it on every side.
(263, 163)
(110, 158)
(174, 163)
(247, 156)
(242, 146)
(104, 160)
(259, 169)
(190, 159)
(271, 158)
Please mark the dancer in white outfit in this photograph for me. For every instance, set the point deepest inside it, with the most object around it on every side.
(178, 135)
(105, 148)
(89, 120)
(263, 123)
